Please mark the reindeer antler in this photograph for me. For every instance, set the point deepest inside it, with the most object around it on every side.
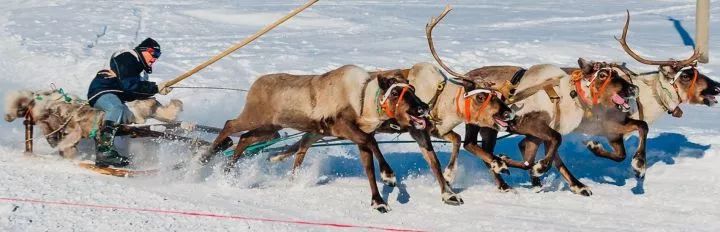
(428, 32)
(675, 63)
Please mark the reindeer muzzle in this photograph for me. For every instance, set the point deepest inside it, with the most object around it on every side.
(633, 92)
(677, 112)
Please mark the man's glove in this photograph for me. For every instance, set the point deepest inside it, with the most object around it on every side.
(163, 89)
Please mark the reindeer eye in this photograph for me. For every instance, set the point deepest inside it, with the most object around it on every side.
(685, 76)
(480, 97)
(603, 75)
(395, 93)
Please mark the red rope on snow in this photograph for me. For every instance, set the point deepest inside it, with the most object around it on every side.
(205, 214)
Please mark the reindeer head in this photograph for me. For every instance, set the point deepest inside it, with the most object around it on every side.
(17, 104)
(681, 77)
(607, 87)
(398, 100)
(692, 86)
(482, 104)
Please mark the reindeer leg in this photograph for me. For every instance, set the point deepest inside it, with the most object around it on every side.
(617, 144)
(305, 144)
(529, 147)
(449, 173)
(551, 140)
(223, 141)
(576, 186)
(495, 165)
(364, 141)
(639, 161)
(247, 139)
(423, 139)
(293, 149)
(615, 133)
(387, 175)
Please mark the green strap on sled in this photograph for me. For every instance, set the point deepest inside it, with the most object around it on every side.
(258, 147)
(94, 130)
(67, 98)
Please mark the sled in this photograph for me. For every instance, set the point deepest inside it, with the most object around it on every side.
(145, 131)
(118, 172)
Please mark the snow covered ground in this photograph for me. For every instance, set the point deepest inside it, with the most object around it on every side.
(66, 41)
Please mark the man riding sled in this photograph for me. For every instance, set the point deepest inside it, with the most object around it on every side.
(127, 80)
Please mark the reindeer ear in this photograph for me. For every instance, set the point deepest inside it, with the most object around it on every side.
(385, 82)
(405, 73)
(585, 65)
(468, 85)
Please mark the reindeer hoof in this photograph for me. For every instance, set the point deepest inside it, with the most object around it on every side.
(536, 184)
(536, 189)
(381, 207)
(504, 188)
(277, 158)
(593, 145)
(581, 190)
(638, 165)
(540, 168)
(449, 176)
(499, 166)
(388, 179)
(452, 199)
(228, 168)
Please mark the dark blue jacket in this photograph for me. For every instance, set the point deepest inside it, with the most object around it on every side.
(128, 67)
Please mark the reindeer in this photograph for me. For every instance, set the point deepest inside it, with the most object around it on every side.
(345, 103)
(448, 112)
(675, 82)
(542, 116)
(451, 102)
(64, 119)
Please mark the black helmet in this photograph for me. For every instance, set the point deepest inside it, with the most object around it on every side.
(146, 44)
(149, 43)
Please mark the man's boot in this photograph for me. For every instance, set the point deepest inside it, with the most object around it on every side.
(105, 154)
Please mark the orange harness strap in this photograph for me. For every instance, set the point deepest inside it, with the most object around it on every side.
(691, 89)
(457, 100)
(596, 94)
(484, 105)
(467, 103)
(386, 105)
(577, 79)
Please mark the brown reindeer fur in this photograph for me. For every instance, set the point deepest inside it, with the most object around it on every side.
(535, 120)
(615, 125)
(340, 103)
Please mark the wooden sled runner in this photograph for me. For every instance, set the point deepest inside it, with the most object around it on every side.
(119, 172)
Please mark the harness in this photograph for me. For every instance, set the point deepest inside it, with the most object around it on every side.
(508, 89)
(384, 104)
(690, 91)
(576, 79)
(467, 101)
